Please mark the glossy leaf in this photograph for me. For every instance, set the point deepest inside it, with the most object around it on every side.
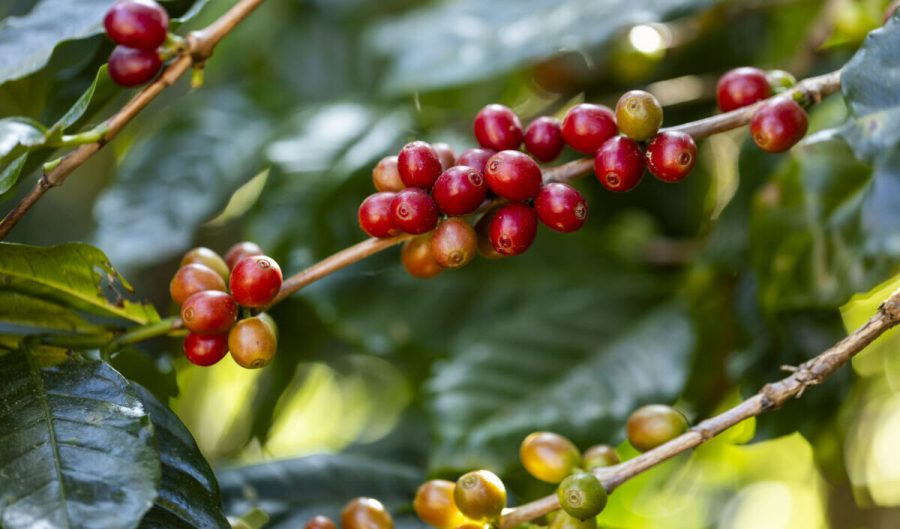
(77, 275)
(17, 137)
(101, 85)
(291, 491)
(21, 314)
(78, 450)
(188, 492)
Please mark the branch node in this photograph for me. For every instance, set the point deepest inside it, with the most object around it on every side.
(891, 308)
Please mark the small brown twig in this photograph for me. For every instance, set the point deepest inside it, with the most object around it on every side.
(200, 45)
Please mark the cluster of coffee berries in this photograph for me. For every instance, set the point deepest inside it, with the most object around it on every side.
(139, 27)
(211, 291)
(778, 124)
(475, 501)
(358, 513)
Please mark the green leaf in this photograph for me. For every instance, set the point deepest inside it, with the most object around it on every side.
(452, 43)
(293, 490)
(188, 492)
(75, 274)
(18, 136)
(77, 451)
(102, 84)
(26, 315)
(178, 176)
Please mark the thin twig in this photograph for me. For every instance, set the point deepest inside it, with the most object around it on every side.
(770, 397)
(200, 46)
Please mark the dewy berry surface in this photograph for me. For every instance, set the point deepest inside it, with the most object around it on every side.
(543, 138)
(419, 165)
(619, 164)
(255, 281)
(375, 217)
(513, 175)
(778, 124)
(741, 87)
(586, 127)
(497, 127)
(459, 190)
(671, 155)
(130, 67)
(140, 24)
(414, 211)
(561, 207)
(513, 228)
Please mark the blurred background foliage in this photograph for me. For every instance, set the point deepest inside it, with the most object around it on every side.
(695, 294)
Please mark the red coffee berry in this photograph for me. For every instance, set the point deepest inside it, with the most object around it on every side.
(475, 158)
(513, 175)
(497, 127)
(205, 350)
(140, 24)
(483, 231)
(209, 312)
(417, 258)
(414, 211)
(239, 251)
(513, 228)
(375, 215)
(741, 87)
(193, 278)
(671, 155)
(419, 165)
(255, 281)
(132, 67)
(445, 155)
(454, 243)
(543, 138)
(561, 207)
(778, 124)
(386, 176)
(459, 190)
(619, 164)
(586, 127)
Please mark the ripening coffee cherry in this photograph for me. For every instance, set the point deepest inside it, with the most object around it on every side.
(255, 281)
(252, 343)
(549, 456)
(619, 164)
(418, 259)
(209, 312)
(562, 520)
(365, 513)
(133, 67)
(475, 158)
(205, 350)
(561, 207)
(375, 216)
(386, 176)
(193, 278)
(639, 115)
(513, 228)
(778, 125)
(459, 190)
(741, 87)
(780, 80)
(497, 127)
(671, 156)
(654, 425)
(445, 155)
(419, 165)
(454, 244)
(414, 211)
(513, 175)
(320, 522)
(141, 24)
(599, 456)
(435, 506)
(483, 231)
(581, 495)
(207, 257)
(239, 251)
(586, 127)
(543, 138)
(480, 495)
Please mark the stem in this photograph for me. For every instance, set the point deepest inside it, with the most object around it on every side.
(91, 136)
(146, 332)
(200, 45)
(771, 396)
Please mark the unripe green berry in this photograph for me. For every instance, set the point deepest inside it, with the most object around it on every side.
(780, 80)
(581, 495)
(599, 456)
(639, 115)
(562, 520)
(549, 456)
(480, 495)
(653, 425)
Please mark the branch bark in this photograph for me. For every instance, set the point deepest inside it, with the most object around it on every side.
(770, 397)
(200, 45)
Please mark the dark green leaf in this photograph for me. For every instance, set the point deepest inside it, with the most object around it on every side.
(77, 451)
(17, 137)
(25, 315)
(293, 490)
(73, 274)
(102, 84)
(188, 493)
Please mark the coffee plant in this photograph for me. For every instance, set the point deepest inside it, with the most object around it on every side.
(639, 244)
